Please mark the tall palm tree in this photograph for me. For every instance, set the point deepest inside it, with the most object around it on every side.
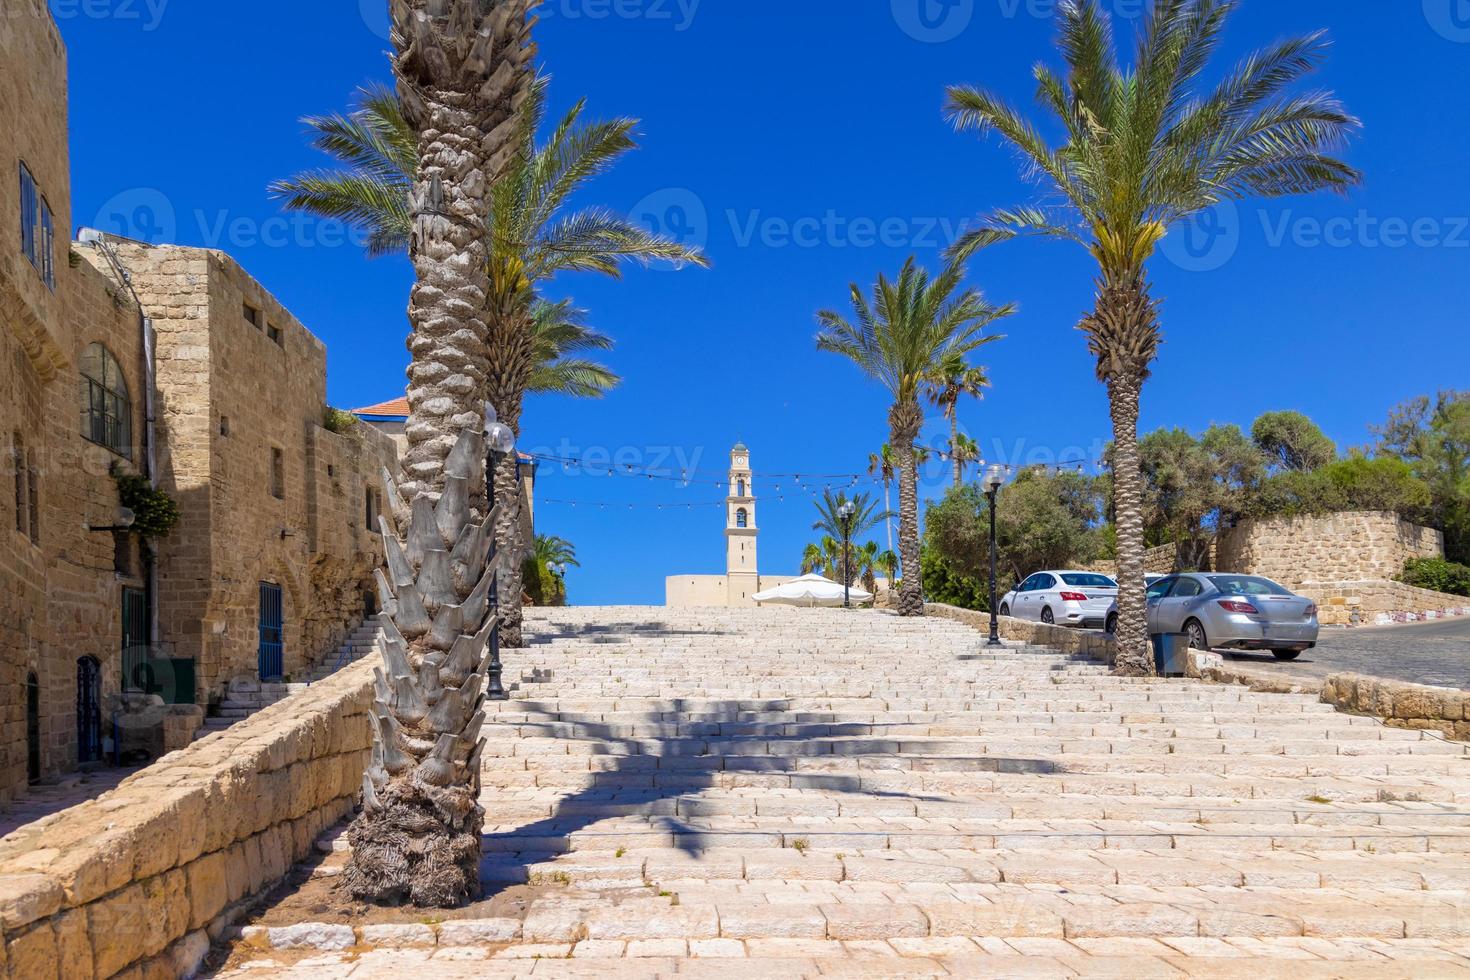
(1145, 148)
(865, 565)
(552, 550)
(887, 563)
(532, 238)
(954, 381)
(912, 325)
(463, 68)
(964, 451)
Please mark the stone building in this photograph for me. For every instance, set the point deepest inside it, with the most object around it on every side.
(742, 578)
(117, 360)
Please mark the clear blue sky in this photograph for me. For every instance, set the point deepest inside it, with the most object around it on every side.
(799, 129)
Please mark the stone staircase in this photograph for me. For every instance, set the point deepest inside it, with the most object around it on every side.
(819, 791)
(245, 696)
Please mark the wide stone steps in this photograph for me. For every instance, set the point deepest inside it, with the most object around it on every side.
(776, 794)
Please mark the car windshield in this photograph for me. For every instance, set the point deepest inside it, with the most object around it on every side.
(1088, 581)
(1247, 585)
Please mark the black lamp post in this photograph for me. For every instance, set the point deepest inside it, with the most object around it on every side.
(845, 514)
(995, 478)
(499, 441)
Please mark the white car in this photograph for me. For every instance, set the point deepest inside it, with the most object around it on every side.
(1064, 598)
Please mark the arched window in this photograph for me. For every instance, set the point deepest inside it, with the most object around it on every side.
(107, 412)
(742, 489)
(742, 518)
(33, 727)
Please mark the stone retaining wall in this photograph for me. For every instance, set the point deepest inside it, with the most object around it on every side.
(139, 881)
(1381, 603)
(1086, 643)
(1401, 705)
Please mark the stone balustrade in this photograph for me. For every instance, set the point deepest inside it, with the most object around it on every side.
(138, 882)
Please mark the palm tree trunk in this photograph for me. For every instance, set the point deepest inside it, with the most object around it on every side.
(463, 69)
(510, 363)
(954, 439)
(1135, 654)
(905, 421)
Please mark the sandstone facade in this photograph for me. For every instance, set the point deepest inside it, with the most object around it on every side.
(1303, 551)
(266, 494)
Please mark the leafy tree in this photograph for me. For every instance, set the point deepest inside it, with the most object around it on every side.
(1146, 147)
(1292, 442)
(943, 584)
(545, 582)
(1433, 437)
(1043, 520)
(911, 326)
(1356, 483)
(1193, 486)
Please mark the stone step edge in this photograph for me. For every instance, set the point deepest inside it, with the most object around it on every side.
(876, 922)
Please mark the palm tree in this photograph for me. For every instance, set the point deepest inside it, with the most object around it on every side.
(532, 238)
(837, 526)
(559, 334)
(887, 563)
(552, 550)
(964, 451)
(912, 325)
(549, 559)
(865, 565)
(822, 558)
(953, 381)
(463, 68)
(1145, 148)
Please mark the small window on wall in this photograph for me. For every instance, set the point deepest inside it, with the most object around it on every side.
(18, 466)
(252, 316)
(224, 425)
(107, 412)
(274, 333)
(278, 474)
(371, 509)
(37, 228)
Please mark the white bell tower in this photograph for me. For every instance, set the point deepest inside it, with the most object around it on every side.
(741, 575)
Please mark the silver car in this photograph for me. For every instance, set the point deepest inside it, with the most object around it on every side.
(1221, 611)
(1066, 598)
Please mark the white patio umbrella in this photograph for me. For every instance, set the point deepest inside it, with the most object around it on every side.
(810, 590)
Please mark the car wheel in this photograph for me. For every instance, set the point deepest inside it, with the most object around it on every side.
(1111, 627)
(1047, 617)
(1286, 654)
(1005, 610)
(1197, 638)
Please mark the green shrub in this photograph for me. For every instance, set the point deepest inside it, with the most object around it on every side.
(338, 421)
(1437, 575)
(944, 585)
(154, 512)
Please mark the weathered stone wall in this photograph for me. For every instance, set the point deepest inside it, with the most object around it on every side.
(144, 876)
(1401, 705)
(60, 590)
(233, 395)
(1084, 643)
(1299, 552)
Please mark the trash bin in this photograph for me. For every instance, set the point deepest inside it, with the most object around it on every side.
(1171, 654)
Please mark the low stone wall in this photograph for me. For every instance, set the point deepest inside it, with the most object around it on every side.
(1357, 546)
(1380, 603)
(1402, 705)
(140, 880)
(1087, 643)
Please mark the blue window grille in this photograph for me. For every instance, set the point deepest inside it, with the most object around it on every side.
(37, 228)
(272, 633)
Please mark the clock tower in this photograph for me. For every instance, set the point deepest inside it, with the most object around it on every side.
(741, 575)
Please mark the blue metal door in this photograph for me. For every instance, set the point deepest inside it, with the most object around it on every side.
(89, 710)
(272, 633)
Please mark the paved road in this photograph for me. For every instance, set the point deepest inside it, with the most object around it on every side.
(1436, 653)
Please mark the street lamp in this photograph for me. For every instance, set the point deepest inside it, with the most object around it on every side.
(500, 440)
(995, 478)
(846, 512)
